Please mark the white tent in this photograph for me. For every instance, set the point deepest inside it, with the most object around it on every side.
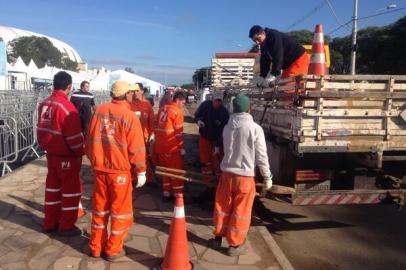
(134, 78)
(33, 71)
(19, 66)
(100, 82)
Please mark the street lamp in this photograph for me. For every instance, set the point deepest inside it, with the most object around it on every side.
(354, 33)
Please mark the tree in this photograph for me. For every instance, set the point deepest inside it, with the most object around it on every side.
(41, 50)
(188, 86)
(305, 37)
(381, 50)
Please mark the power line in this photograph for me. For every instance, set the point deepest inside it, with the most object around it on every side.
(334, 13)
(363, 18)
(310, 13)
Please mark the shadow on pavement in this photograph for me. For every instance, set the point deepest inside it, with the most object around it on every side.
(279, 222)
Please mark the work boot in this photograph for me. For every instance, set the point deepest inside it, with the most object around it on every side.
(236, 251)
(75, 231)
(113, 258)
(215, 243)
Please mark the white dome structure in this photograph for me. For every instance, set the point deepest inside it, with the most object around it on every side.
(10, 33)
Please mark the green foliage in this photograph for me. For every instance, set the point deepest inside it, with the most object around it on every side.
(188, 86)
(381, 50)
(41, 50)
(306, 37)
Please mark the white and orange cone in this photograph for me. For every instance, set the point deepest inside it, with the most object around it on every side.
(317, 64)
(177, 250)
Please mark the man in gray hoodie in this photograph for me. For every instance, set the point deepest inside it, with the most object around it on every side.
(244, 148)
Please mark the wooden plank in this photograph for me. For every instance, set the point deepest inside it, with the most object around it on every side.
(354, 86)
(357, 77)
(366, 113)
(352, 94)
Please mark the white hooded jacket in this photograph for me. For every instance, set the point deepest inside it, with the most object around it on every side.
(244, 147)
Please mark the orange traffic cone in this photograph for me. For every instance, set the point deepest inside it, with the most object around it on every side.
(177, 251)
(317, 64)
(81, 211)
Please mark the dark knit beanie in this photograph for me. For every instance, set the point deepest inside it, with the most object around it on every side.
(241, 103)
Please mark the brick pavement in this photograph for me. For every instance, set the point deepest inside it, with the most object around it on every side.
(24, 246)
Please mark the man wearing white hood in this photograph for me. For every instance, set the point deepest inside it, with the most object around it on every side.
(244, 148)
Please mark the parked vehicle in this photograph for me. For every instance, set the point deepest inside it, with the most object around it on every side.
(338, 139)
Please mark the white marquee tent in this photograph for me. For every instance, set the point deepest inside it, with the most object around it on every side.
(101, 81)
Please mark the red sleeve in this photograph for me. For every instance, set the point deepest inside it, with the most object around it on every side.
(72, 133)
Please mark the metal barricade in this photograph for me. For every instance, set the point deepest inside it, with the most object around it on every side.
(8, 143)
(18, 119)
(101, 97)
(18, 114)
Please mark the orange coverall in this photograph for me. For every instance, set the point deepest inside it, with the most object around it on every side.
(233, 206)
(143, 109)
(168, 144)
(116, 149)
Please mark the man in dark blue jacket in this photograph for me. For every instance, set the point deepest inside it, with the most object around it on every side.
(211, 117)
(283, 51)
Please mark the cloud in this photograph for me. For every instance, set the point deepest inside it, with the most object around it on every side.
(169, 73)
(146, 57)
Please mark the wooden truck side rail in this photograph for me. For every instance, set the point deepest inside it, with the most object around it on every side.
(334, 113)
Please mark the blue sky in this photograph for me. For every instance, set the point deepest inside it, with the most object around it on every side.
(168, 40)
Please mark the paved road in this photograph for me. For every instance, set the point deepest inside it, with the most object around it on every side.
(338, 237)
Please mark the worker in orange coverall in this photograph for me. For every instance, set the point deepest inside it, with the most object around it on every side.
(244, 148)
(144, 111)
(59, 133)
(115, 147)
(169, 142)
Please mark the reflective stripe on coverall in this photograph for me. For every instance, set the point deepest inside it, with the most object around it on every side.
(175, 161)
(233, 206)
(115, 146)
(59, 134)
(169, 142)
(210, 161)
(116, 188)
(63, 191)
(144, 111)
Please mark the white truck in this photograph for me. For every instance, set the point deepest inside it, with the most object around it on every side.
(338, 139)
(232, 69)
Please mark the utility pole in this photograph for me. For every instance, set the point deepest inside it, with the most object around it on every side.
(354, 38)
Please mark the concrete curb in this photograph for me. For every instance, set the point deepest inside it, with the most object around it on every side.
(276, 250)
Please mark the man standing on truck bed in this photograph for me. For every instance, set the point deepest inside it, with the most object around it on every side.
(283, 51)
(244, 148)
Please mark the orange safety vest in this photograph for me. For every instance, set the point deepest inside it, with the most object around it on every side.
(169, 129)
(146, 116)
(115, 143)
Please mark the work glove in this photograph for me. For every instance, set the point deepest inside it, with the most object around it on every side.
(141, 179)
(268, 81)
(200, 123)
(182, 152)
(216, 150)
(268, 182)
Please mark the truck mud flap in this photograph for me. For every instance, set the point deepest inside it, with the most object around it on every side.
(341, 197)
